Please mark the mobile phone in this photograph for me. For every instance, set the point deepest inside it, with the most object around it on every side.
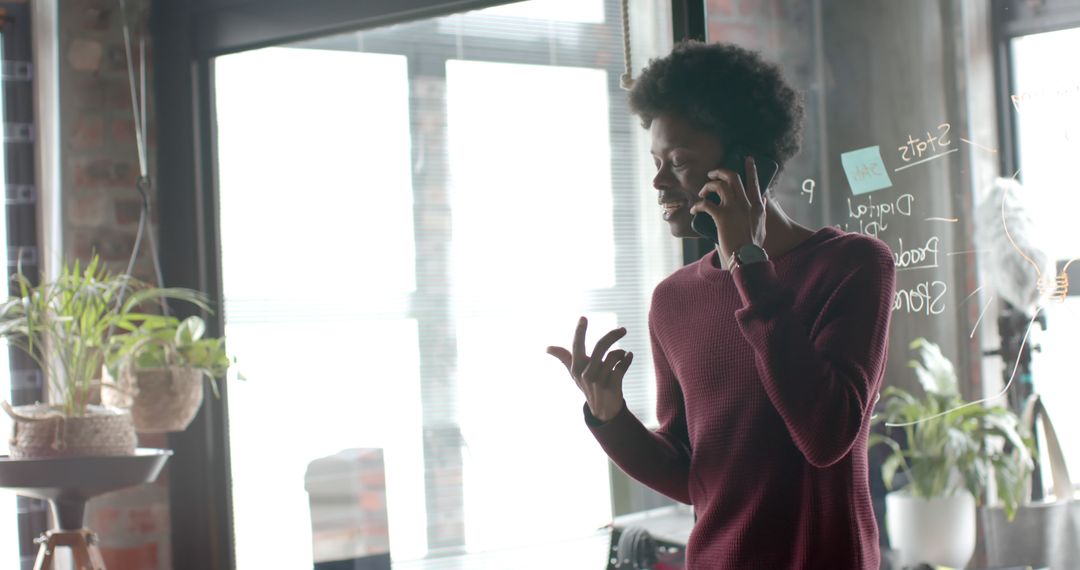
(736, 161)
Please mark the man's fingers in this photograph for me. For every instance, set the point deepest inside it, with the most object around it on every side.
(579, 360)
(725, 188)
(712, 187)
(562, 354)
(707, 207)
(609, 339)
(734, 190)
(609, 363)
(728, 185)
(722, 174)
(753, 188)
(750, 190)
(723, 195)
(619, 370)
(602, 346)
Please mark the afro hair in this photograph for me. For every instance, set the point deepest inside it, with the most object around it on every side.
(725, 90)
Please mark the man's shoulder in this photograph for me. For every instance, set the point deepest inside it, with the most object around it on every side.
(682, 277)
(856, 250)
(839, 259)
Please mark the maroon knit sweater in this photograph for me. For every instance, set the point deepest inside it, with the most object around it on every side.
(766, 379)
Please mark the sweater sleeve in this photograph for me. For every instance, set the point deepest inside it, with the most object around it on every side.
(823, 382)
(660, 459)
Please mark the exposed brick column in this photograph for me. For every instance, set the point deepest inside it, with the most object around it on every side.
(99, 166)
(99, 161)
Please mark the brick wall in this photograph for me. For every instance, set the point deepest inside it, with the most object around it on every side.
(100, 209)
(99, 162)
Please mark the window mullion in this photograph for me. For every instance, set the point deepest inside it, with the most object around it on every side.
(443, 466)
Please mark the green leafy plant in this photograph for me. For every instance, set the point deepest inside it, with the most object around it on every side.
(168, 341)
(950, 444)
(66, 325)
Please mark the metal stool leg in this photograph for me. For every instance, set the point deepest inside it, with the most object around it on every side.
(96, 558)
(83, 545)
(45, 552)
(84, 549)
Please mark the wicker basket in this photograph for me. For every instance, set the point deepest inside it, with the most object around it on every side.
(41, 430)
(161, 399)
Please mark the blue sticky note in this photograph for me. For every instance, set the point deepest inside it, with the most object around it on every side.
(865, 170)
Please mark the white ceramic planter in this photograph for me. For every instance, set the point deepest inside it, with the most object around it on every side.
(938, 531)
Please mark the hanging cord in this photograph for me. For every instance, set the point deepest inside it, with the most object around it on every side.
(143, 184)
(626, 81)
(138, 100)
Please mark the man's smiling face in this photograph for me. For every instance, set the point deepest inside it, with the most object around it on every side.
(683, 155)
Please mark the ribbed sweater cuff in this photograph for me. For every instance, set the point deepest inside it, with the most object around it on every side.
(599, 426)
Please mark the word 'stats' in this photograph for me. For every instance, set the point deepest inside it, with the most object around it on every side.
(930, 145)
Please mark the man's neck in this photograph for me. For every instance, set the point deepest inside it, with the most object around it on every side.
(782, 234)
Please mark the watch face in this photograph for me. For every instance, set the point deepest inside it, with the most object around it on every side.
(751, 253)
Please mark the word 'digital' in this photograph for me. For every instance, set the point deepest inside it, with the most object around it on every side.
(873, 218)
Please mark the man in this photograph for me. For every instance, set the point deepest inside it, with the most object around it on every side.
(769, 352)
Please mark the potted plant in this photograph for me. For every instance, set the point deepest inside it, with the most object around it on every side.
(158, 370)
(66, 326)
(951, 452)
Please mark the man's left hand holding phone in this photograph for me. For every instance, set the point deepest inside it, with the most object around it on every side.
(733, 211)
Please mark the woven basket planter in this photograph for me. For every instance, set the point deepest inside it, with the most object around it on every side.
(43, 431)
(161, 400)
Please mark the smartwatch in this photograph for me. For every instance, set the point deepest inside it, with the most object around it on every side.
(749, 254)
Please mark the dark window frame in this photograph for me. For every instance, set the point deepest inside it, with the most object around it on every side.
(186, 39)
(22, 211)
(1011, 19)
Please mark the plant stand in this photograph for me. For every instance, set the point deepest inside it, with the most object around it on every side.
(83, 545)
(67, 483)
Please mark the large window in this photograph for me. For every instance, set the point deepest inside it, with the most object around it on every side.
(409, 216)
(1047, 106)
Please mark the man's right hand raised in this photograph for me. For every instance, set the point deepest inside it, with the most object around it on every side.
(598, 376)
